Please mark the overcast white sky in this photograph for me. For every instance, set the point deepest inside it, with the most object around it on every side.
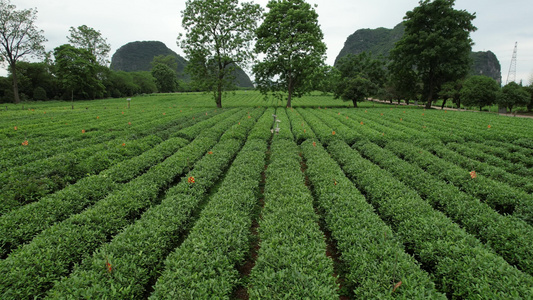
(500, 23)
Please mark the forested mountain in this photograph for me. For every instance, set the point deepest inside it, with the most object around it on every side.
(381, 40)
(137, 56)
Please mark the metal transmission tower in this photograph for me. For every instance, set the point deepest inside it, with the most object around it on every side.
(511, 76)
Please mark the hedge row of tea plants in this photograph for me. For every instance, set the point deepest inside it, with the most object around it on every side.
(510, 237)
(291, 261)
(510, 152)
(501, 197)
(370, 119)
(300, 129)
(466, 162)
(31, 270)
(374, 262)
(462, 267)
(69, 136)
(21, 225)
(322, 131)
(30, 182)
(152, 237)
(192, 132)
(342, 130)
(474, 152)
(203, 267)
(261, 131)
(135, 255)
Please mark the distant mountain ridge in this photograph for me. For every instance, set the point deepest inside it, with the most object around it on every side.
(381, 41)
(137, 56)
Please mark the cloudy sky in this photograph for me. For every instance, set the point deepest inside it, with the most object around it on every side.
(500, 23)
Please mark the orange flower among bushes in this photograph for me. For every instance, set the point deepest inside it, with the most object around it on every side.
(191, 179)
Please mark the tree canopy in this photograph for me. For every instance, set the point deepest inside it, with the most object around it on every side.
(479, 91)
(361, 77)
(219, 36)
(19, 37)
(292, 42)
(436, 45)
(90, 39)
(165, 78)
(512, 95)
(77, 72)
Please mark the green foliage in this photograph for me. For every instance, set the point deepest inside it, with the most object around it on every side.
(33, 75)
(39, 94)
(362, 237)
(361, 76)
(165, 78)
(513, 95)
(20, 37)
(291, 40)
(90, 39)
(451, 90)
(326, 79)
(292, 261)
(436, 45)
(509, 237)
(442, 247)
(479, 91)
(529, 89)
(169, 60)
(77, 71)
(219, 35)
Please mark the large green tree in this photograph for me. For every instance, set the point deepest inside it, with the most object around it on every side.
(92, 40)
(513, 95)
(165, 78)
(77, 72)
(361, 77)
(219, 37)
(19, 37)
(479, 91)
(35, 76)
(291, 41)
(436, 45)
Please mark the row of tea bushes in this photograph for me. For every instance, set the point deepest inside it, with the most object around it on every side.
(462, 267)
(373, 261)
(291, 261)
(501, 197)
(510, 237)
(21, 225)
(32, 269)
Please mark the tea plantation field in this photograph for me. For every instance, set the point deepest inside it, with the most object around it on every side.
(173, 198)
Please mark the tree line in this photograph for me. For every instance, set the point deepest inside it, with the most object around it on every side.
(430, 62)
(74, 71)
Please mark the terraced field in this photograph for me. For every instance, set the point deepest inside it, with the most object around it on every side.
(173, 198)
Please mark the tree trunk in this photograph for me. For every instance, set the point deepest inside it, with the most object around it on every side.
(218, 96)
(428, 104)
(15, 83)
(354, 103)
(289, 97)
(443, 103)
